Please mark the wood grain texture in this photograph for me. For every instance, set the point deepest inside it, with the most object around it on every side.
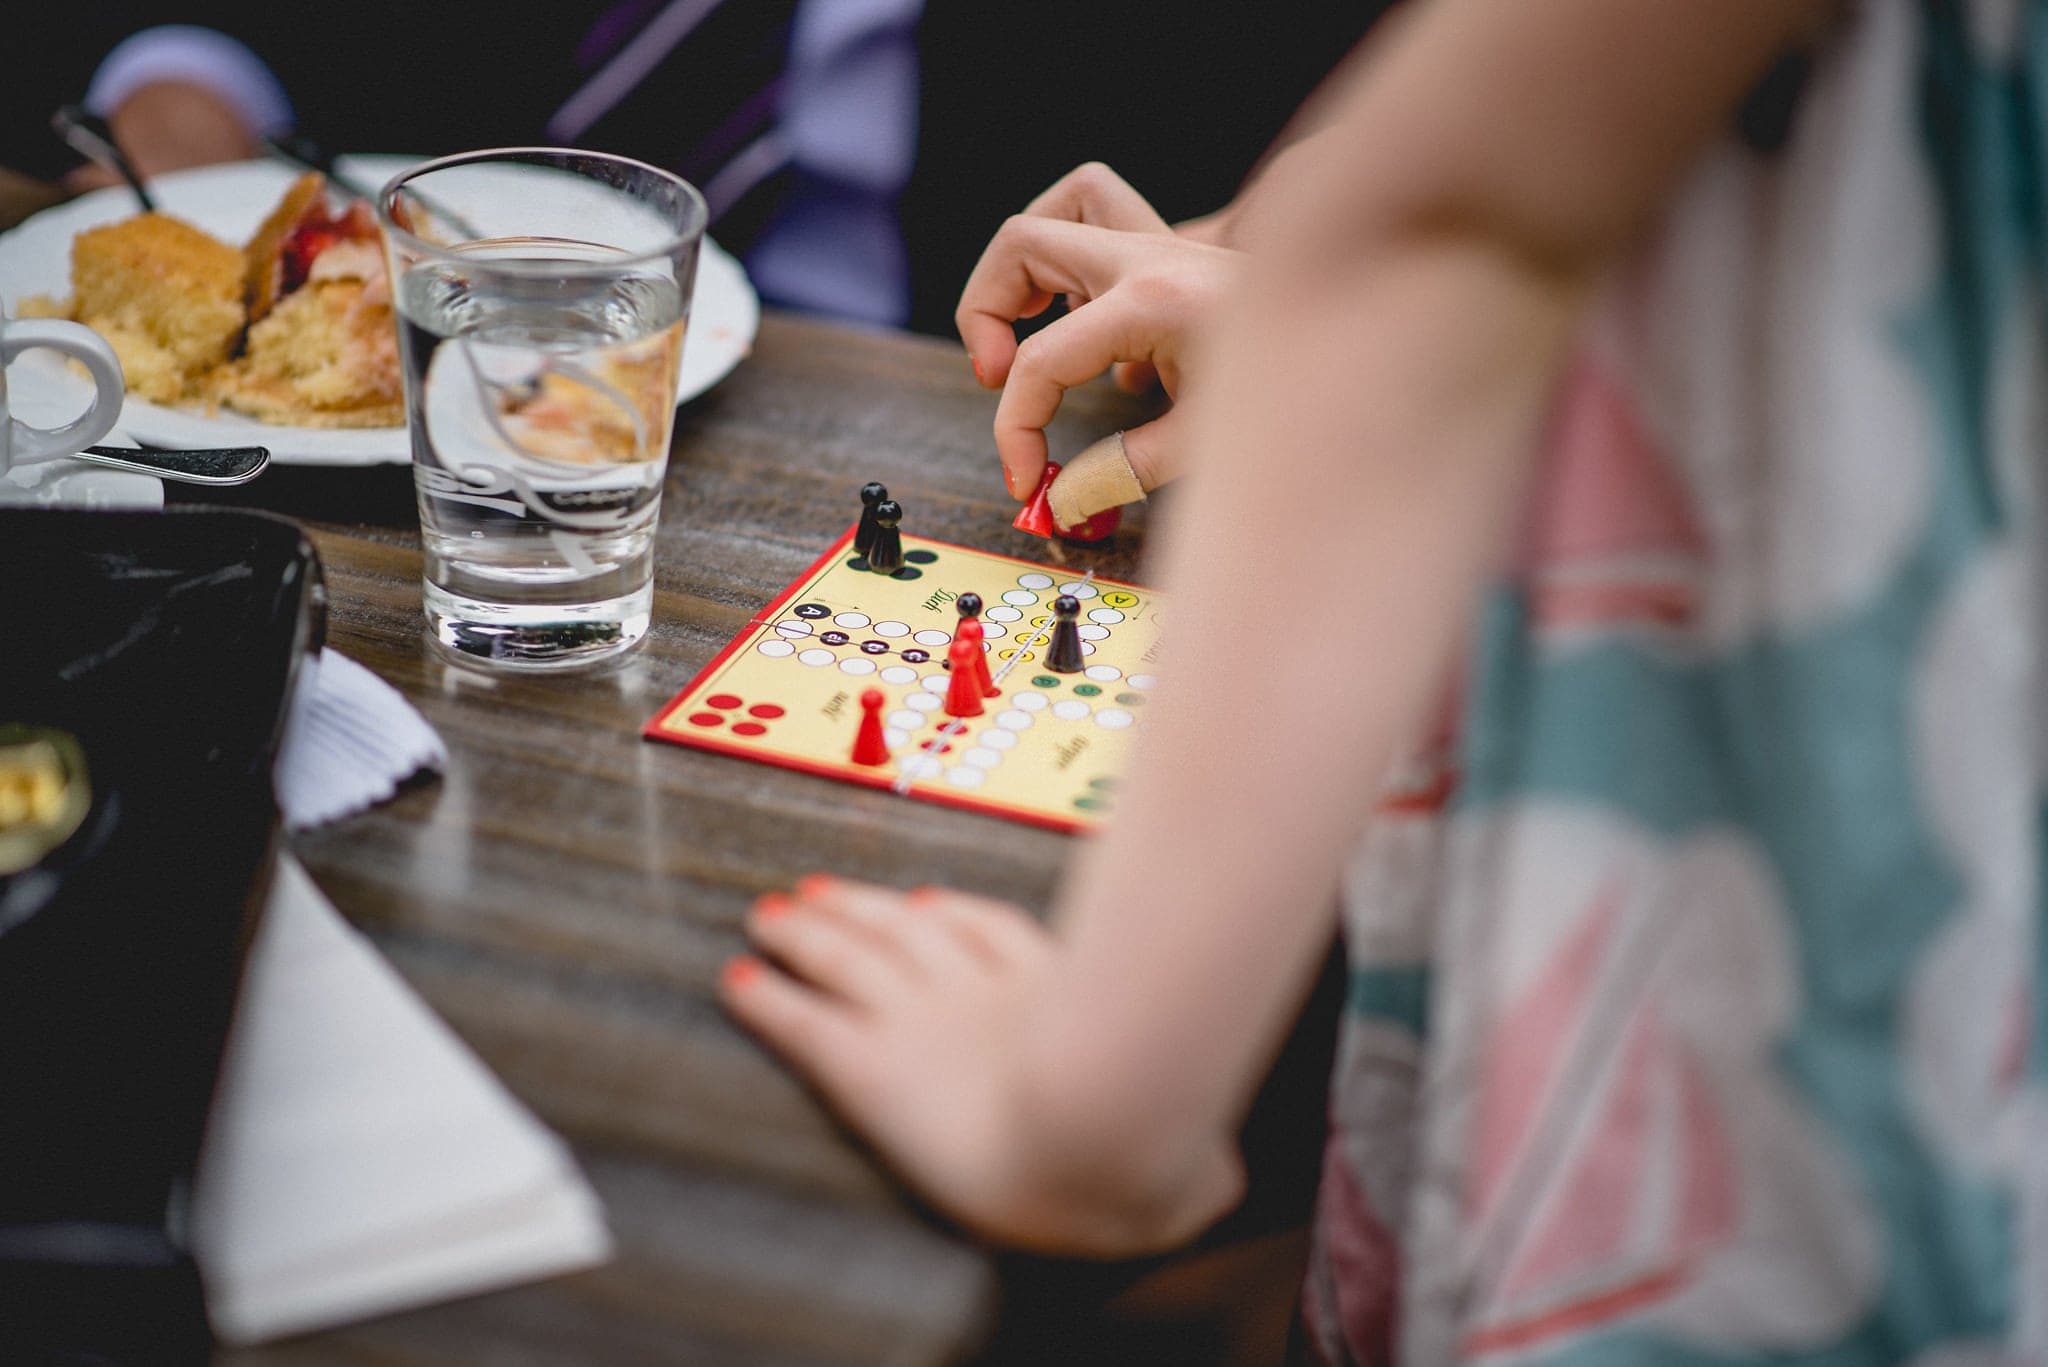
(565, 894)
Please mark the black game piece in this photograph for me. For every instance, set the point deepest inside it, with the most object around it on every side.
(864, 534)
(885, 552)
(969, 604)
(1063, 655)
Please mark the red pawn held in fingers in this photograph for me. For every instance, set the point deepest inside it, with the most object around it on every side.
(869, 747)
(1037, 515)
(1100, 527)
(963, 690)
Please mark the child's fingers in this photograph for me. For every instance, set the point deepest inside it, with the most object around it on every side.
(824, 949)
(930, 943)
(1119, 470)
(817, 1035)
(1051, 361)
(1093, 193)
(1000, 933)
(1135, 377)
(1029, 260)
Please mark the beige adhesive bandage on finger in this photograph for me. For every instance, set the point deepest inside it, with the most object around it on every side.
(1098, 479)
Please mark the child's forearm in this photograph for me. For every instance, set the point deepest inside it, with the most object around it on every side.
(1319, 591)
(1364, 417)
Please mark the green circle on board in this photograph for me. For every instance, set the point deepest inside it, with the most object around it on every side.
(1090, 804)
(1102, 785)
(908, 572)
(1131, 699)
(1046, 681)
(921, 557)
(1087, 690)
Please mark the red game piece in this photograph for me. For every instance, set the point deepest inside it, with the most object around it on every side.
(1100, 527)
(963, 690)
(869, 747)
(970, 631)
(1037, 515)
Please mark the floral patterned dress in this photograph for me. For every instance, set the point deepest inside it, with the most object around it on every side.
(1696, 1005)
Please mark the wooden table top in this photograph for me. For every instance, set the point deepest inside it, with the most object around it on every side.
(565, 894)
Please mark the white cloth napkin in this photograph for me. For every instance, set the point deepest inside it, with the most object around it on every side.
(360, 1159)
(349, 741)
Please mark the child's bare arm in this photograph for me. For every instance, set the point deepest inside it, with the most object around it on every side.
(1362, 417)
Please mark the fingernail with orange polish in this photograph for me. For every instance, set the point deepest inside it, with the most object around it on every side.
(921, 896)
(770, 905)
(740, 972)
(979, 378)
(815, 884)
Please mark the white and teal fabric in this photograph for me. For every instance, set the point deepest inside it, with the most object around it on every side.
(1697, 1002)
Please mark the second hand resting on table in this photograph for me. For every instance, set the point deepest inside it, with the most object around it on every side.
(1359, 408)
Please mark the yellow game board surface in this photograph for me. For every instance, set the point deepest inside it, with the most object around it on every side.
(1047, 750)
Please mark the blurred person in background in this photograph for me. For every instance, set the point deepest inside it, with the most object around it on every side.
(1612, 571)
(856, 153)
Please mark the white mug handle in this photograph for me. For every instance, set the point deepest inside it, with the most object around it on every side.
(31, 444)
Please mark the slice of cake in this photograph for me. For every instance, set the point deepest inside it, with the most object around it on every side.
(165, 295)
(322, 350)
(264, 257)
(326, 356)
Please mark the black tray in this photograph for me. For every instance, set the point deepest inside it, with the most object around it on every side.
(167, 644)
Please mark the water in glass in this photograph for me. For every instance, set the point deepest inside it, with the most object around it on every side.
(542, 406)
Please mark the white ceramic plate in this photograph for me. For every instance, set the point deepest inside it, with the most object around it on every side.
(229, 201)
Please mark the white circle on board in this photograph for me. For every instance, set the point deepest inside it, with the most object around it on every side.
(1087, 647)
(1030, 702)
(965, 776)
(1115, 718)
(1020, 598)
(816, 658)
(892, 629)
(928, 637)
(1103, 673)
(993, 630)
(995, 738)
(899, 674)
(1070, 709)
(1078, 590)
(906, 720)
(981, 757)
(921, 766)
(896, 737)
(1014, 720)
(1141, 682)
(795, 626)
(776, 648)
(923, 702)
(853, 619)
(1000, 615)
(937, 683)
(1035, 581)
(1088, 631)
(857, 665)
(1106, 616)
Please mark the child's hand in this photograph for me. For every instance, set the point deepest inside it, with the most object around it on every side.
(910, 1013)
(1137, 292)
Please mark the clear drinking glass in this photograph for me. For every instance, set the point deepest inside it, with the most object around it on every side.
(542, 296)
